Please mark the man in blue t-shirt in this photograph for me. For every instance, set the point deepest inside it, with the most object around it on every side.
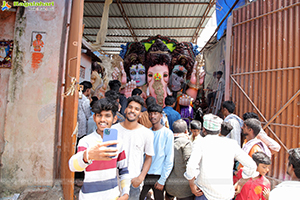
(162, 161)
(172, 114)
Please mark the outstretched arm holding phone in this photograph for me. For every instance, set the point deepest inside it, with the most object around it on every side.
(99, 154)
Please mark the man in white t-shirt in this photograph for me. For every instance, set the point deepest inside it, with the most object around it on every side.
(228, 108)
(137, 142)
(288, 189)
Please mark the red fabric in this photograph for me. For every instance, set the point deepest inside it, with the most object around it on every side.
(253, 189)
(121, 156)
(238, 176)
(81, 149)
(102, 165)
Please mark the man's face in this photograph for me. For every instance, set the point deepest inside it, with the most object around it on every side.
(219, 76)
(223, 110)
(104, 120)
(195, 132)
(246, 131)
(263, 169)
(289, 169)
(197, 103)
(133, 111)
(88, 92)
(155, 117)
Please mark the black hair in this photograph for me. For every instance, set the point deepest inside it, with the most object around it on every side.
(220, 73)
(183, 55)
(137, 99)
(97, 67)
(156, 57)
(135, 55)
(261, 158)
(150, 100)
(198, 100)
(254, 124)
(208, 132)
(294, 160)
(114, 85)
(86, 85)
(195, 124)
(249, 115)
(155, 108)
(105, 105)
(229, 105)
(225, 128)
(179, 126)
(112, 95)
(169, 100)
(94, 99)
(136, 91)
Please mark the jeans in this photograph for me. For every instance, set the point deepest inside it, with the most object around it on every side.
(149, 183)
(201, 198)
(134, 193)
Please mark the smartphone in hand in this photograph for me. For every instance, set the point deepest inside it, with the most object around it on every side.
(110, 134)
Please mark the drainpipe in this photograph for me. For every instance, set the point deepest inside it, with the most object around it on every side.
(70, 106)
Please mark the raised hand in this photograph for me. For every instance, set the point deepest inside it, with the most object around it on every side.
(201, 76)
(101, 151)
(131, 85)
(185, 100)
(123, 78)
(197, 74)
(115, 74)
(193, 75)
(119, 72)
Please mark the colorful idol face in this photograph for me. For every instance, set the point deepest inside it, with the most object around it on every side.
(158, 79)
(138, 74)
(177, 77)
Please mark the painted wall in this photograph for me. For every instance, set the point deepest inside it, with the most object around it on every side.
(7, 21)
(30, 117)
(86, 62)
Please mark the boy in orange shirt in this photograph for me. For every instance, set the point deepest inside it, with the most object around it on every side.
(254, 187)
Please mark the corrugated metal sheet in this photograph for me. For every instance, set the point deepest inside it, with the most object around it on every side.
(265, 61)
(147, 14)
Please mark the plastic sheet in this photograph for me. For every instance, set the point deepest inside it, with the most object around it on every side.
(222, 7)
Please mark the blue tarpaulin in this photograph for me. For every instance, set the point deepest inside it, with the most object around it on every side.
(222, 7)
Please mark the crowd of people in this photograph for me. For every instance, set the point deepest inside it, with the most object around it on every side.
(160, 150)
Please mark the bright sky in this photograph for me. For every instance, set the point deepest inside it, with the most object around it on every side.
(208, 31)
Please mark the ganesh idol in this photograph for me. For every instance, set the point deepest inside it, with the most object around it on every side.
(158, 60)
(134, 65)
(148, 71)
(131, 71)
(187, 74)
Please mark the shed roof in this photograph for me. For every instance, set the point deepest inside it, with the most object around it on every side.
(182, 20)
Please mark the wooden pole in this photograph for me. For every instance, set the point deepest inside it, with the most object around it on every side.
(71, 102)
